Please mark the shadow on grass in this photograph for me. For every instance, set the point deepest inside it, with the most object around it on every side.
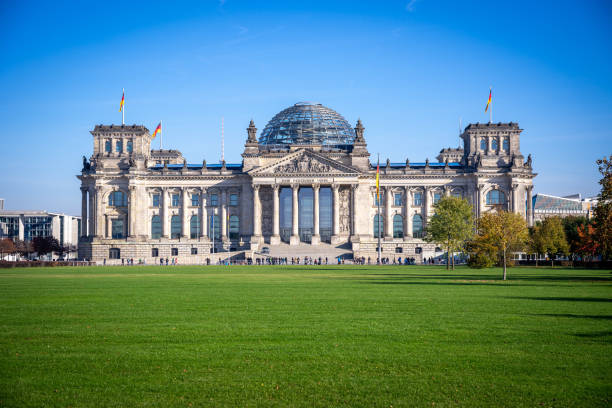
(564, 299)
(594, 335)
(480, 282)
(576, 316)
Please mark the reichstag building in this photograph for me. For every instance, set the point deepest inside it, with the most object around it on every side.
(307, 183)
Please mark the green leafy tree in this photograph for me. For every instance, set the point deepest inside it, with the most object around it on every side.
(553, 238)
(505, 232)
(536, 244)
(602, 219)
(451, 225)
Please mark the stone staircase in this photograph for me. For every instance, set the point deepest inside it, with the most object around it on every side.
(314, 251)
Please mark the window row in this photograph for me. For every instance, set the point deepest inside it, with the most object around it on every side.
(495, 144)
(398, 226)
(417, 198)
(108, 146)
(214, 227)
(175, 200)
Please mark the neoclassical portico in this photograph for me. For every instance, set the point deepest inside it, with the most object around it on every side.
(307, 181)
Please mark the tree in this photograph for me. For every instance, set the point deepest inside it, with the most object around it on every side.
(45, 245)
(536, 243)
(24, 248)
(602, 220)
(504, 231)
(451, 225)
(571, 224)
(589, 246)
(552, 236)
(6, 247)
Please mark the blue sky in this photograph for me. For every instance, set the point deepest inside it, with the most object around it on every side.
(408, 69)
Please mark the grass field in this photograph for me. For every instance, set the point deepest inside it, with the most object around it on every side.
(304, 336)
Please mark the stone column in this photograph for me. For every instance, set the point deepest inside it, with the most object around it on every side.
(316, 237)
(185, 227)
(529, 206)
(107, 228)
(447, 191)
(427, 205)
(514, 198)
(165, 221)
(84, 211)
(388, 216)
(223, 221)
(131, 222)
(256, 212)
(203, 214)
(295, 236)
(92, 212)
(353, 216)
(479, 200)
(275, 238)
(407, 220)
(336, 220)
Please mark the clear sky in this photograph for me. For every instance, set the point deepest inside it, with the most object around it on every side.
(409, 69)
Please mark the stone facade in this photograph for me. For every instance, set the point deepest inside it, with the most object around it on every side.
(143, 204)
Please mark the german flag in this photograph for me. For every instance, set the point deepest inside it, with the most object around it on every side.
(157, 130)
(489, 101)
(122, 102)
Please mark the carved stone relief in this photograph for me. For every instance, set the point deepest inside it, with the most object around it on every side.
(303, 164)
(265, 196)
(345, 212)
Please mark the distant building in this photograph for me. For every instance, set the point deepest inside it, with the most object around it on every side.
(1, 203)
(545, 205)
(27, 225)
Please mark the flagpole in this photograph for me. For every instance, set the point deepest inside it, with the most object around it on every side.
(491, 107)
(161, 135)
(378, 202)
(123, 107)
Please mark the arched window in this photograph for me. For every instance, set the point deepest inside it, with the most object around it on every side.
(483, 143)
(117, 199)
(495, 197)
(506, 144)
(234, 227)
(398, 226)
(494, 144)
(417, 226)
(175, 226)
(378, 226)
(156, 227)
(194, 226)
(214, 228)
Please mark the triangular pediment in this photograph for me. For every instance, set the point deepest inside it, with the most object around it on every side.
(305, 163)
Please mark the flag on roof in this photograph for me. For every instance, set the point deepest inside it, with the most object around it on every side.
(489, 101)
(122, 101)
(157, 130)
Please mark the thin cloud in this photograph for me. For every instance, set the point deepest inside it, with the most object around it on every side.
(410, 5)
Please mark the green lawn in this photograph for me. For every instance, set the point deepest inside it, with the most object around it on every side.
(305, 336)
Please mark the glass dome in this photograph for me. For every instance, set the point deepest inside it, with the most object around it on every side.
(307, 123)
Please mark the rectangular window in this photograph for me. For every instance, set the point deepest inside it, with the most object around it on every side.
(174, 251)
(436, 198)
(382, 199)
(397, 199)
(175, 200)
(119, 146)
(117, 228)
(155, 200)
(418, 199)
(194, 251)
(233, 199)
(114, 253)
(214, 200)
(155, 252)
(129, 146)
(108, 146)
(195, 200)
